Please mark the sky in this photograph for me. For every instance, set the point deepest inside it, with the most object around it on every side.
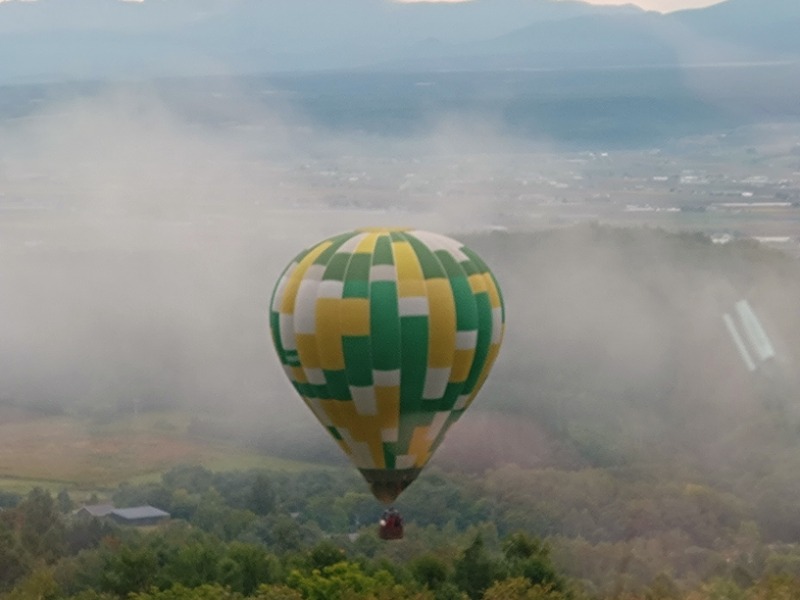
(659, 5)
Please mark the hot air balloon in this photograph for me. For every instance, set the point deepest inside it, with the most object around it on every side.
(387, 335)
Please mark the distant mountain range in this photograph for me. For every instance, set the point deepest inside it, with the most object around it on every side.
(75, 39)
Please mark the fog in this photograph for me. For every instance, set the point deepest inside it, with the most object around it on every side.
(617, 348)
(146, 275)
(141, 236)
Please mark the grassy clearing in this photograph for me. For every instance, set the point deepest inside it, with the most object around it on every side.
(56, 452)
(23, 486)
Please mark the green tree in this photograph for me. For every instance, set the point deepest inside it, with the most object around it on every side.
(276, 592)
(429, 570)
(325, 554)
(154, 494)
(195, 564)
(663, 588)
(341, 581)
(718, 589)
(247, 566)
(82, 534)
(520, 588)
(64, 502)
(282, 533)
(327, 513)
(214, 516)
(449, 591)
(180, 592)
(262, 496)
(358, 508)
(475, 570)
(38, 585)
(775, 588)
(184, 504)
(128, 570)
(529, 557)
(41, 529)
(93, 595)
(13, 563)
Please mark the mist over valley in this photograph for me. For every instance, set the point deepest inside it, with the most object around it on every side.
(638, 433)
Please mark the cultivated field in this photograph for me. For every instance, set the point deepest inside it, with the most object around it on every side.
(58, 452)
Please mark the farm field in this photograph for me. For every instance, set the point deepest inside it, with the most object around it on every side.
(94, 456)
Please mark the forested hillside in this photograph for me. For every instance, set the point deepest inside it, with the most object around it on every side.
(275, 536)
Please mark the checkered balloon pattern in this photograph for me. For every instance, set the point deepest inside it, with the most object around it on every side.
(387, 335)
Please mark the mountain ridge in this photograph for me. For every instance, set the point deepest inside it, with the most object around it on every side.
(73, 39)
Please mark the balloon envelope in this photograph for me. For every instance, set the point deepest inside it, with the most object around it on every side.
(387, 335)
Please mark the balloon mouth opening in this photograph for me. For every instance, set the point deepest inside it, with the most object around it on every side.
(386, 486)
